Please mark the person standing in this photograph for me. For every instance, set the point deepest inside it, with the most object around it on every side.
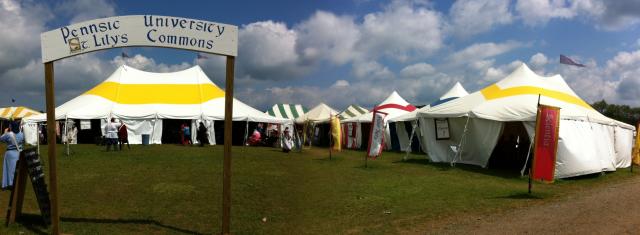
(112, 134)
(202, 135)
(187, 134)
(14, 139)
(123, 135)
(287, 141)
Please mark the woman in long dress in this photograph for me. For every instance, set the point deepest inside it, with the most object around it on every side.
(14, 140)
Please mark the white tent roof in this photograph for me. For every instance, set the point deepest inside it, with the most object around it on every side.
(515, 98)
(394, 106)
(319, 114)
(455, 92)
(130, 93)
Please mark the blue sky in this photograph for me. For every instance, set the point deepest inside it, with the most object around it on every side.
(344, 52)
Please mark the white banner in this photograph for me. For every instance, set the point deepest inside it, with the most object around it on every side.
(139, 30)
(376, 137)
(85, 124)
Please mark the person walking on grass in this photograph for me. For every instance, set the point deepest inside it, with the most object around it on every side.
(112, 134)
(123, 135)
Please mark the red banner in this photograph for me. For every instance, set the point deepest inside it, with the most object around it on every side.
(546, 143)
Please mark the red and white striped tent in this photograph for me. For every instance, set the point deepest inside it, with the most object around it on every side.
(394, 106)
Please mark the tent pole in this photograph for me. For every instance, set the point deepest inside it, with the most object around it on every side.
(38, 138)
(66, 133)
(246, 132)
(330, 136)
(534, 152)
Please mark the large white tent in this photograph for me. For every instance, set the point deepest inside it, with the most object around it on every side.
(322, 113)
(143, 99)
(589, 141)
(394, 105)
(406, 122)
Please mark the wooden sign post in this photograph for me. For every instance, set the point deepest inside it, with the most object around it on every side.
(147, 31)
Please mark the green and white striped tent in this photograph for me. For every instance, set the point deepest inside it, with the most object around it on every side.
(290, 111)
(352, 111)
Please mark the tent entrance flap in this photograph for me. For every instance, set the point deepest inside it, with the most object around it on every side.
(510, 153)
(92, 135)
(172, 132)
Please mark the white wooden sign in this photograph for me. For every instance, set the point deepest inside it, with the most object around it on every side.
(139, 30)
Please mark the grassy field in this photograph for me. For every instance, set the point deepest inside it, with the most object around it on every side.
(169, 189)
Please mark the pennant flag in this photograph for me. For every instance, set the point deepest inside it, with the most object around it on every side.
(336, 132)
(568, 61)
(376, 137)
(124, 55)
(202, 57)
(546, 143)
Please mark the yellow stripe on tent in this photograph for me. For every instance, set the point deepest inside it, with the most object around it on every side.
(17, 112)
(5, 114)
(157, 93)
(494, 92)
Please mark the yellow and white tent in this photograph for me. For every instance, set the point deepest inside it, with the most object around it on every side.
(589, 141)
(14, 113)
(142, 99)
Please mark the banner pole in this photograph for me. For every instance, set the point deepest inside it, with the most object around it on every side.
(534, 153)
(330, 135)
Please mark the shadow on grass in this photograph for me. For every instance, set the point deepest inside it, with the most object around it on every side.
(128, 221)
(520, 196)
(33, 223)
(503, 173)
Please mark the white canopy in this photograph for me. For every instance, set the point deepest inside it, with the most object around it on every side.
(589, 141)
(320, 114)
(132, 94)
(455, 92)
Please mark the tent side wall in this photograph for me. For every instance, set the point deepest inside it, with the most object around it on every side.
(583, 147)
(479, 141)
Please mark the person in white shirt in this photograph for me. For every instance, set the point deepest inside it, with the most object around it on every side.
(112, 134)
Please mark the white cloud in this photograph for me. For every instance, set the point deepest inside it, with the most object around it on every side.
(539, 12)
(327, 36)
(479, 51)
(538, 60)
(418, 70)
(471, 17)
(340, 83)
(267, 52)
(83, 10)
(402, 31)
(20, 23)
(371, 70)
